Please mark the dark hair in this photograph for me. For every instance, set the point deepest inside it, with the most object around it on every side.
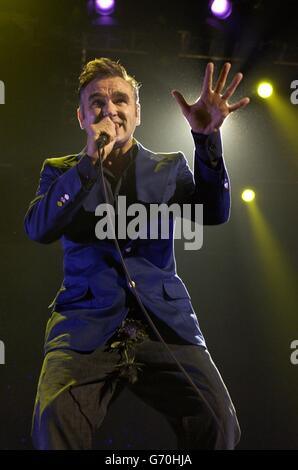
(104, 68)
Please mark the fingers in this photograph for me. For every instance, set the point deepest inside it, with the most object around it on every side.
(181, 101)
(240, 104)
(208, 78)
(222, 77)
(105, 124)
(233, 86)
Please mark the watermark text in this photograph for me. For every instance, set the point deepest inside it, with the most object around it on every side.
(294, 94)
(161, 221)
(294, 354)
(2, 92)
(2, 353)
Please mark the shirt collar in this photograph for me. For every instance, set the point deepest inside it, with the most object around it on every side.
(116, 166)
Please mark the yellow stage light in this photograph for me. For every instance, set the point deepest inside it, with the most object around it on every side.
(248, 195)
(265, 90)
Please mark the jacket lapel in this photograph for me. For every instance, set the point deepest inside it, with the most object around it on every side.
(151, 176)
(151, 179)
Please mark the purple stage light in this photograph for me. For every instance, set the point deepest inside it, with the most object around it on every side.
(105, 7)
(221, 8)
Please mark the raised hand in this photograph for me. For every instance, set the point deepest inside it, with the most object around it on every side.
(208, 113)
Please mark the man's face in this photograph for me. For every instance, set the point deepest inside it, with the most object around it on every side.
(113, 97)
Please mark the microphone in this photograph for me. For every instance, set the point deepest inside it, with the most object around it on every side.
(102, 140)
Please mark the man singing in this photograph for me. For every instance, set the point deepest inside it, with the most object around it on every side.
(123, 317)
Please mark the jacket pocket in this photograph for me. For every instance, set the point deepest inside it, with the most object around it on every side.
(70, 294)
(176, 294)
(175, 289)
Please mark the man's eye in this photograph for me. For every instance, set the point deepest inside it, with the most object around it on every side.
(97, 103)
(120, 100)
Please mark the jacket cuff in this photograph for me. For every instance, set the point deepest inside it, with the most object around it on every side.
(208, 147)
(208, 156)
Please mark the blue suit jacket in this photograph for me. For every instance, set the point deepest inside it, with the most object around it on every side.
(91, 302)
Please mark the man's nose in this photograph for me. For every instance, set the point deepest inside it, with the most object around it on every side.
(109, 109)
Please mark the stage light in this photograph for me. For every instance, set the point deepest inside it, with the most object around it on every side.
(265, 90)
(248, 195)
(105, 7)
(221, 8)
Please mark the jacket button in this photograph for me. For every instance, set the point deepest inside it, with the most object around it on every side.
(132, 284)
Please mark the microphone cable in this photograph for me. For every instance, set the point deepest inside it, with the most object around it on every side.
(100, 149)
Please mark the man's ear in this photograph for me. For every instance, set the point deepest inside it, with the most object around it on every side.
(138, 113)
(80, 116)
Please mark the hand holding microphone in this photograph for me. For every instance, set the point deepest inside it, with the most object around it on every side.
(102, 140)
(101, 133)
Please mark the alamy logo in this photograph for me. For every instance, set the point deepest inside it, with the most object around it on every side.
(294, 94)
(2, 353)
(2, 92)
(294, 355)
(136, 221)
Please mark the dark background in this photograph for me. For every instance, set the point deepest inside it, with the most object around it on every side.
(243, 282)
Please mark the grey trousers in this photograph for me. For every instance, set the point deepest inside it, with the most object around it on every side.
(76, 389)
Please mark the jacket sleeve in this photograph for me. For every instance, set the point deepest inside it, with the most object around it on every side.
(209, 183)
(59, 196)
